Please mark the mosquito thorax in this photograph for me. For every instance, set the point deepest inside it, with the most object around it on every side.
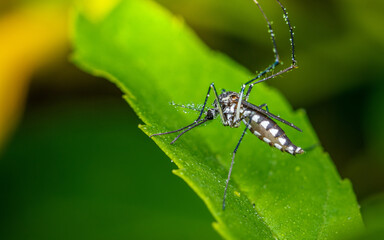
(228, 102)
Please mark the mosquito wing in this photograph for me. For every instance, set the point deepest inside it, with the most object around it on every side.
(260, 110)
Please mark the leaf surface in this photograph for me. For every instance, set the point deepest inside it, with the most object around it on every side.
(155, 59)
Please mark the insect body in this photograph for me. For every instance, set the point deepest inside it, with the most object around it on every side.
(234, 108)
(258, 121)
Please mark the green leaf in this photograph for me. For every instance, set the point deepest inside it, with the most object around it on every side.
(373, 211)
(373, 214)
(155, 59)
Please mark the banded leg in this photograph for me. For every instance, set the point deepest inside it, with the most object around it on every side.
(269, 77)
(268, 69)
(233, 160)
(293, 57)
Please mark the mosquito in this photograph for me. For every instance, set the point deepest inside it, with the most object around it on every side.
(234, 108)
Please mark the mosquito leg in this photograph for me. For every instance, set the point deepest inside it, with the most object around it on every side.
(223, 120)
(269, 68)
(293, 57)
(189, 128)
(178, 130)
(237, 117)
(275, 52)
(233, 161)
(264, 105)
(286, 18)
(205, 102)
(212, 86)
(269, 77)
(198, 121)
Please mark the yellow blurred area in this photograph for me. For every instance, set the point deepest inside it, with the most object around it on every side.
(29, 38)
(96, 10)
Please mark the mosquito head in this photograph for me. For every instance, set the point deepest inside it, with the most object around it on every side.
(227, 98)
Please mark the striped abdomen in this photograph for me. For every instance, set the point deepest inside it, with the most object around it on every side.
(268, 131)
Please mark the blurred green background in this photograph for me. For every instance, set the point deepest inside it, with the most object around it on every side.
(74, 165)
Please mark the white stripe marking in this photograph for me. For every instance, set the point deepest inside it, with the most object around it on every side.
(255, 118)
(282, 141)
(233, 108)
(264, 124)
(274, 131)
(278, 146)
(266, 140)
(257, 133)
